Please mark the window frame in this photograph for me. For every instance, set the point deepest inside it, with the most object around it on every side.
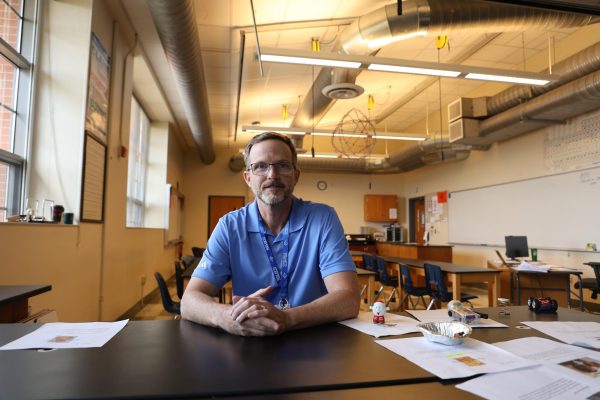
(16, 158)
(143, 129)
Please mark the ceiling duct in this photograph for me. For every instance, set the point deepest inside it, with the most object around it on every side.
(518, 110)
(174, 20)
(430, 151)
(369, 33)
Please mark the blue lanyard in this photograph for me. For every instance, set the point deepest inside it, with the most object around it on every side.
(279, 272)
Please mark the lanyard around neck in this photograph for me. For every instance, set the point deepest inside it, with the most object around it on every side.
(280, 272)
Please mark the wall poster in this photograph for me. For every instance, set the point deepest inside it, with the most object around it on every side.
(92, 188)
(96, 116)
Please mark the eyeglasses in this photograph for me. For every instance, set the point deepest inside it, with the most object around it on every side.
(262, 168)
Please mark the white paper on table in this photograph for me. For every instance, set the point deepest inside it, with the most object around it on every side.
(570, 361)
(442, 315)
(394, 324)
(538, 383)
(586, 334)
(61, 335)
(470, 358)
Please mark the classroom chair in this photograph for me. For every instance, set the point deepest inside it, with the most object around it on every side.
(386, 280)
(187, 260)
(198, 251)
(592, 284)
(411, 290)
(173, 307)
(369, 263)
(179, 268)
(439, 291)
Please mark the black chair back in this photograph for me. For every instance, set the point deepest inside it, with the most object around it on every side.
(198, 251)
(407, 283)
(435, 277)
(168, 304)
(179, 278)
(370, 264)
(384, 276)
(187, 261)
(439, 290)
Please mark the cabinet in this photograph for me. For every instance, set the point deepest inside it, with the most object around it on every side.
(378, 206)
(416, 251)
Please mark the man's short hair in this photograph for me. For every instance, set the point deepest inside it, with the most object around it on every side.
(270, 136)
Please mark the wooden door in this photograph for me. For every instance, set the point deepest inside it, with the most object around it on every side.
(417, 219)
(219, 206)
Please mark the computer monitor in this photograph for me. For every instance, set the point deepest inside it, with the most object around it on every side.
(516, 246)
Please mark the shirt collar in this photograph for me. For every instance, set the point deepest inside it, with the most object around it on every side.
(295, 222)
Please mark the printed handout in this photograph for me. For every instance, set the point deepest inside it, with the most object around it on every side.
(538, 383)
(470, 358)
(586, 334)
(61, 335)
(394, 325)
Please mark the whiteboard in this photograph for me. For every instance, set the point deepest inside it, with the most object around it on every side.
(554, 212)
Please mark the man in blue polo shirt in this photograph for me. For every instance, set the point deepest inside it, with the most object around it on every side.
(287, 259)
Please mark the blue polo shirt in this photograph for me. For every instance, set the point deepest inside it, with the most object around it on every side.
(317, 249)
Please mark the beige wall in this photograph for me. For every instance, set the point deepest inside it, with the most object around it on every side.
(94, 269)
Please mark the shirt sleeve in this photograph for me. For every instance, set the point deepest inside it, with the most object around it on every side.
(214, 266)
(335, 256)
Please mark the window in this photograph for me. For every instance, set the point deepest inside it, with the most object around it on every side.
(139, 133)
(17, 18)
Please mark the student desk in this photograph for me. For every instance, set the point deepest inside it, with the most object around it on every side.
(14, 300)
(518, 286)
(457, 275)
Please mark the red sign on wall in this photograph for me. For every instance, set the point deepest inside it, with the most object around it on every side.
(442, 197)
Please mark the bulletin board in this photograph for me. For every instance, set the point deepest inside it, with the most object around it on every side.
(174, 216)
(93, 180)
(554, 212)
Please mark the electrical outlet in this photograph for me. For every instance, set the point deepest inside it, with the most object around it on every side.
(142, 279)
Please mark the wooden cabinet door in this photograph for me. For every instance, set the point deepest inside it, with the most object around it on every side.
(219, 206)
(377, 207)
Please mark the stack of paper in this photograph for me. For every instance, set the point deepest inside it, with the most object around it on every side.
(533, 266)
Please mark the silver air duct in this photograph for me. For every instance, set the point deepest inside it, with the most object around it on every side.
(381, 27)
(521, 109)
(174, 20)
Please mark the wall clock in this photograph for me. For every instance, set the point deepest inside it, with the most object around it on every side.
(321, 185)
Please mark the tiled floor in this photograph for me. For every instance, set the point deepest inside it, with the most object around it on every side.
(153, 309)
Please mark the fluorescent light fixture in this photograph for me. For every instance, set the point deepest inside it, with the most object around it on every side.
(278, 129)
(309, 61)
(510, 79)
(317, 155)
(413, 70)
(329, 133)
(386, 137)
(405, 66)
(374, 157)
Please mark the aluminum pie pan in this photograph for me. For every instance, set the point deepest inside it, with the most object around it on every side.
(448, 333)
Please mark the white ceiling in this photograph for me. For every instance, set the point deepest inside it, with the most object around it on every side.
(402, 101)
